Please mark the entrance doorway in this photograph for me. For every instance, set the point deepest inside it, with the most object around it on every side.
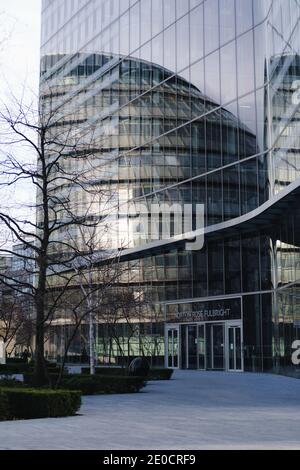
(189, 347)
(172, 347)
(205, 346)
(235, 348)
(215, 346)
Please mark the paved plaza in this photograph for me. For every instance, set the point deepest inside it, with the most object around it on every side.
(195, 410)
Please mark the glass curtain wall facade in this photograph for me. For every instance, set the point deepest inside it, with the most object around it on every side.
(193, 102)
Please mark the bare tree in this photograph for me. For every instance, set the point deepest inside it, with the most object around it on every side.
(121, 312)
(12, 319)
(45, 155)
(81, 306)
(24, 338)
(152, 339)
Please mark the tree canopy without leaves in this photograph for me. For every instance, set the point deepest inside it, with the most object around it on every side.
(57, 211)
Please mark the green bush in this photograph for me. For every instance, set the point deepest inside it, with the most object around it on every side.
(160, 374)
(52, 367)
(154, 374)
(11, 383)
(15, 360)
(52, 376)
(96, 384)
(105, 371)
(51, 371)
(21, 368)
(10, 369)
(4, 410)
(36, 403)
(49, 364)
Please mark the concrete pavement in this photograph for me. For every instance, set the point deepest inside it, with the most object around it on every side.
(195, 410)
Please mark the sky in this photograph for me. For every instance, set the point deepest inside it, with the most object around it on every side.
(19, 75)
(20, 43)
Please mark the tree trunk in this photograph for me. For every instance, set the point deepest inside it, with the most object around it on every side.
(40, 370)
(40, 378)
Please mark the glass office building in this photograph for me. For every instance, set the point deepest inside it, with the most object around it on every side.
(194, 102)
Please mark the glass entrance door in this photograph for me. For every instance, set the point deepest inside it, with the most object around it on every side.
(189, 347)
(215, 356)
(191, 332)
(235, 348)
(201, 347)
(205, 346)
(172, 347)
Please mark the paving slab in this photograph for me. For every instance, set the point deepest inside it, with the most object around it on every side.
(194, 410)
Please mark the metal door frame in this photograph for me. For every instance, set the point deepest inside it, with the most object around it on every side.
(167, 329)
(212, 324)
(234, 324)
(226, 325)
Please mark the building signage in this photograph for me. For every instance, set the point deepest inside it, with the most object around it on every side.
(227, 309)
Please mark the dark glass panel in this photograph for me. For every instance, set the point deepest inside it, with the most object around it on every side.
(201, 347)
(232, 259)
(250, 263)
(192, 346)
(231, 192)
(215, 268)
(248, 182)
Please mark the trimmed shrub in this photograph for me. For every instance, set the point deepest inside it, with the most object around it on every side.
(11, 369)
(52, 376)
(52, 367)
(97, 384)
(11, 383)
(154, 373)
(48, 364)
(160, 374)
(38, 403)
(23, 367)
(4, 410)
(15, 360)
(106, 371)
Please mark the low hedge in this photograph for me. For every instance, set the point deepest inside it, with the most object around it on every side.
(52, 368)
(17, 403)
(106, 371)
(15, 360)
(97, 384)
(11, 383)
(4, 410)
(21, 368)
(11, 369)
(53, 371)
(53, 377)
(154, 374)
(160, 374)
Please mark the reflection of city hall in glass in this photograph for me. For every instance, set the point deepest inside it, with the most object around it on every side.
(196, 102)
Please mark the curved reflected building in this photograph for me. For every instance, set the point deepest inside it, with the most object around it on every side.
(149, 147)
(190, 102)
